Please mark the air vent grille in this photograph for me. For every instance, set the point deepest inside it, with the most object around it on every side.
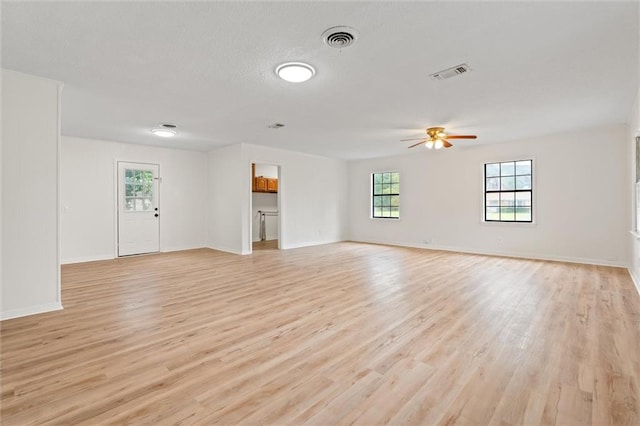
(451, 72)
(340, 37)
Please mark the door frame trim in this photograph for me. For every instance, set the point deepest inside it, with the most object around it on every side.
(116, 206)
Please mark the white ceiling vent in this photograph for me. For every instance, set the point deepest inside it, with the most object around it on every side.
(450, 72)
(340, 37)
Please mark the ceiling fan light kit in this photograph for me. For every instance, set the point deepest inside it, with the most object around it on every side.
(437, 138)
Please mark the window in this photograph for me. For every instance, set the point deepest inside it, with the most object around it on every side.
(138, 187)
(508, 191)
(386, 195)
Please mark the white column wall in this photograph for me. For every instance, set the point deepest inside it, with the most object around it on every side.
(633, 238)
(30, 141)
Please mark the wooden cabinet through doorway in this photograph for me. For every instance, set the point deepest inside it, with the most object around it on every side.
(261, 183)
(272, 185)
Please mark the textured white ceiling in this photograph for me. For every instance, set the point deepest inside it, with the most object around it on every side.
(538, 68)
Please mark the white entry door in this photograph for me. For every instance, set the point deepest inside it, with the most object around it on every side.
(138, 208)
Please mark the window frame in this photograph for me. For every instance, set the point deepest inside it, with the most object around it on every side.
(373, 195)
(485, 191)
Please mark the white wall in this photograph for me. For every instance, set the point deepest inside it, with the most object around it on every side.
(226, 194)
(267, 170)
(633, 240)
(88, 196)
(580, 197)
(265, 202)
(30, 131)
(312, 199)
(312, 193)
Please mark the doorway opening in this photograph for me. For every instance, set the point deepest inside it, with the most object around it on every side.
(265, 210)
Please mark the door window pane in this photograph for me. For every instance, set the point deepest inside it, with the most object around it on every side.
(138, 190)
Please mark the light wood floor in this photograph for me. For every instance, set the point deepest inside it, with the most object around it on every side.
(336, 334)
(265, 245)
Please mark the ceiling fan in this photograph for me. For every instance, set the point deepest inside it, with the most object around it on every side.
(437, 138)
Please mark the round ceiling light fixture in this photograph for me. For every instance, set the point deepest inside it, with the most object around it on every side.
(295, 72)
(164, 133)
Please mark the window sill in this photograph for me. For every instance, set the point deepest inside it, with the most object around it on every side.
(636, 234)
(514, 224)
(386, 219)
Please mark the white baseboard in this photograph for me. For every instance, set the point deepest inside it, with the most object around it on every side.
(86, 259)
(635, 279)
(181, 248)
(95, 258)
(31, 310)
(225, 249)
(308, 244)
(534, 256)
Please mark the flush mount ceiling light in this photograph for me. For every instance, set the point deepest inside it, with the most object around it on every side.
(295, 72)
(164, 133)
(165, 130)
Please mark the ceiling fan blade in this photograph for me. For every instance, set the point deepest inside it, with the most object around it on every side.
(446, 144)
(414, 139)
(462, 137)
(419, 143)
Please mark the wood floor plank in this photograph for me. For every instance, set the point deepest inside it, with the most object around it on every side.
(343, 333)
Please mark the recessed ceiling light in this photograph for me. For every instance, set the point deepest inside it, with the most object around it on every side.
(164, 133)
(295, 72)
